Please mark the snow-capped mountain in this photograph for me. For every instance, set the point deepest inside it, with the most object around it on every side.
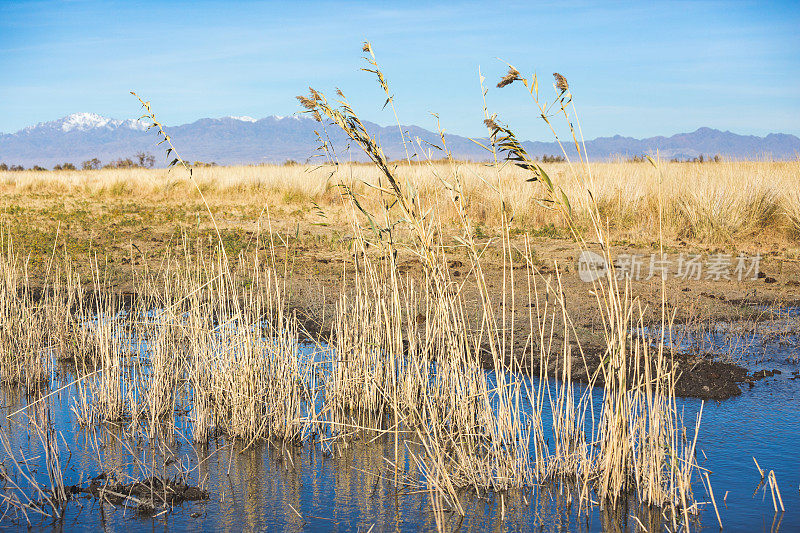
(88, 121)
(243, 118)
(242, 139)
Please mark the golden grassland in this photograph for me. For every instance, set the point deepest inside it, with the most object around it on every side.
(725, 204)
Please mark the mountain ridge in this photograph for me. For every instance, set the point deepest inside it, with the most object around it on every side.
(275, 139)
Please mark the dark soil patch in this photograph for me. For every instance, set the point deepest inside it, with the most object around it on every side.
(147, 495)
(710, 380)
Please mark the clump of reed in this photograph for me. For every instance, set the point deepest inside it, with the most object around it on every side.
(24, 496)
(471, 428)
(24, 358)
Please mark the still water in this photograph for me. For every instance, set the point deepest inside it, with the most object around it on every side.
(262, 486)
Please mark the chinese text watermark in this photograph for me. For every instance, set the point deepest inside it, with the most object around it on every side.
(637, 267)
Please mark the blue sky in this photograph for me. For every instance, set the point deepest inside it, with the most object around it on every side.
(635, 68)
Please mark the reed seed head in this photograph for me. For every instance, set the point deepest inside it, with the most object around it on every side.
(561, 82)
(306, 102)
(509, 78)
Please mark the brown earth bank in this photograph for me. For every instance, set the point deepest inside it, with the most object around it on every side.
(317, 272)
(759, 297)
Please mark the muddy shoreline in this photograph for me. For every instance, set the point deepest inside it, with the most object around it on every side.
(699, 375)
(316, 277)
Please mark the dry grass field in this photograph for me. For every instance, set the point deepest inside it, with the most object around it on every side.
(728, 205)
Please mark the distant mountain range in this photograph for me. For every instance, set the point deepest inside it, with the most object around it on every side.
(241, 140)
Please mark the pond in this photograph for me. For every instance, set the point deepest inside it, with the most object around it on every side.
(353, 485)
